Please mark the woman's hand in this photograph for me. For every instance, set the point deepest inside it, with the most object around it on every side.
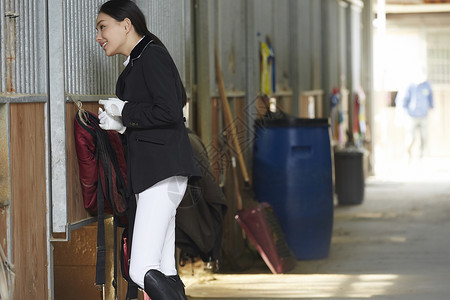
(113, 106)
(108, 122)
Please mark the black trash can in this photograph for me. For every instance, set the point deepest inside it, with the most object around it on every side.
(349, 176)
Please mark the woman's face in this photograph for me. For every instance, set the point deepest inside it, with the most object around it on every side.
(111, 34)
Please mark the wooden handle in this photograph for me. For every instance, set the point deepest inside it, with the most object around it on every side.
(215, 139)
(228, 116)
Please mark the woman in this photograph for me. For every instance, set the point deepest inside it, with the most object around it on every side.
(159, 155)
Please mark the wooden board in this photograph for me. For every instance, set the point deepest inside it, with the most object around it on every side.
(74, 265)
(4, 157)
(75, 262)
(28, 200)
(5, 195)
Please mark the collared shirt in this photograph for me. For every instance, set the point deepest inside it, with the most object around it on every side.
(125, 63)
(418, 99)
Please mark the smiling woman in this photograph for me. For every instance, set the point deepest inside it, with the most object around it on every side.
(149, 112)
(111, 35)
(114, 26)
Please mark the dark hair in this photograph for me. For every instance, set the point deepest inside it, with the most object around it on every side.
(121, 9)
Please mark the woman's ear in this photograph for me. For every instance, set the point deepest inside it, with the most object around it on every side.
(127, 24)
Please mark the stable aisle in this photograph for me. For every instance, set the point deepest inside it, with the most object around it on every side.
(395, 245)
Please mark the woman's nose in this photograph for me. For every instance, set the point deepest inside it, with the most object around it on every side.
(98, 37)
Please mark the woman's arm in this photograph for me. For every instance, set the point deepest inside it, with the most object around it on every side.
(161, 79)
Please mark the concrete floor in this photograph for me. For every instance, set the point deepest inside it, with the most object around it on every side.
(395, 245)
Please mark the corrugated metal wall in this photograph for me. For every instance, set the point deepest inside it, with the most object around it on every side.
(306, 48)
(355, 44)
(32, 48)
(331, 41)
(88, 71)
(239, 29)
(273, 26)
(229, 21)
(168, 19)
(24, 48)
(343, 41)
(317, 46)
(280, 38)
(261, 19)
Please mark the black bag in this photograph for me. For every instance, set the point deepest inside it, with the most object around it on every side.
(200, 215)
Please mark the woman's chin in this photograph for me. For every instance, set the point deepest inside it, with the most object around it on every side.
(109, 53)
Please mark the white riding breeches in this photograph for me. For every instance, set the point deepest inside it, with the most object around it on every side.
(153, 243)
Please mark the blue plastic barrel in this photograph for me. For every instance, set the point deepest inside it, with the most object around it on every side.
(292, 171)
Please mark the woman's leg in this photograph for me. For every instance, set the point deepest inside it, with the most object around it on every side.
(176, 188)
(154, 228)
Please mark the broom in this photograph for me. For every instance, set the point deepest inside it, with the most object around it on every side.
(259, 223)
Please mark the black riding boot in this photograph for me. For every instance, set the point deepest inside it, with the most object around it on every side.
(179, 286)
(161, 287)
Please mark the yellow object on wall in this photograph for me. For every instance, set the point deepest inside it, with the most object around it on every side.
(265, 70)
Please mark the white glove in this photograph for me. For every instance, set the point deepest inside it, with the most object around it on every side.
(108, 122)
(113, 106)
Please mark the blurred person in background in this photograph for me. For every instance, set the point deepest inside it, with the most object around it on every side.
(416, 100)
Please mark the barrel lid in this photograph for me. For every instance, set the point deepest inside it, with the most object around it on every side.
(350, 151)
(291, 122)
